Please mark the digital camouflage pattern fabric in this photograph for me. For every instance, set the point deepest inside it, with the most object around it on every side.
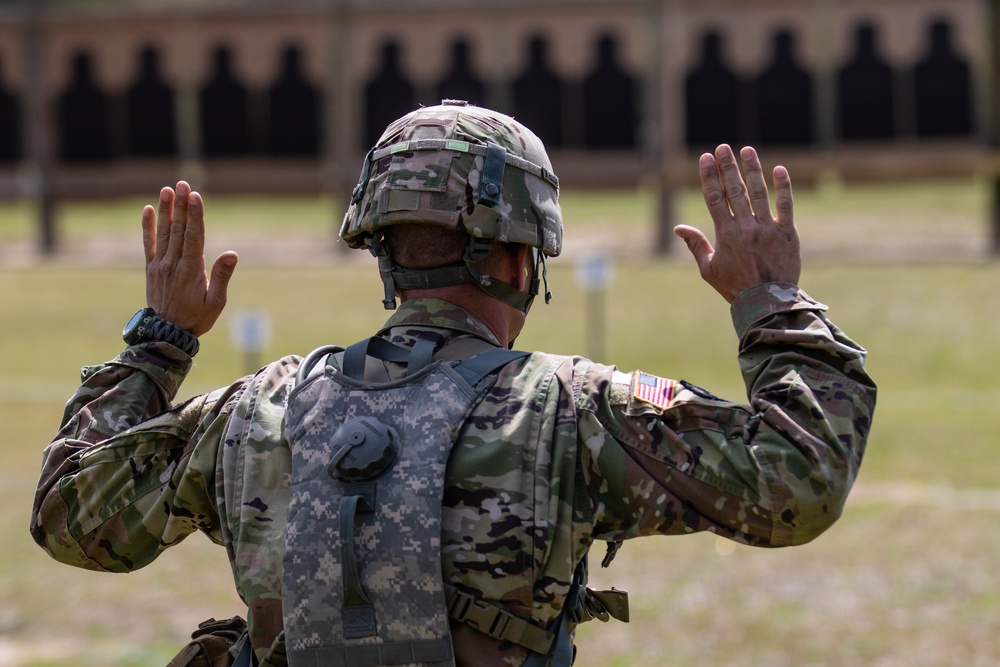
(362, 559)
(558, 454)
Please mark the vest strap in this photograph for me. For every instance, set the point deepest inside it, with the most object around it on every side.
(245, 657)
(582, 604)
(478, 367)
(496, 622)
(379, 348)
(359, 612)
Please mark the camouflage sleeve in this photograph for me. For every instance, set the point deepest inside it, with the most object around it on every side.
(666, 457)
(107, 495)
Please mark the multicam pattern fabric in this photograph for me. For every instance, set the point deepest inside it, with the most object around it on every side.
(439, 185)
(557, 455)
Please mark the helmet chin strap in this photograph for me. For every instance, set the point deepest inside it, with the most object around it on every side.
(540, 261)
(466, 271)
(386, 268)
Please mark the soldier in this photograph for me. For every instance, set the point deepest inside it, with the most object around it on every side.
(459, 205)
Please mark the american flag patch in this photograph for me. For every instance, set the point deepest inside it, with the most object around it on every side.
(653, 390)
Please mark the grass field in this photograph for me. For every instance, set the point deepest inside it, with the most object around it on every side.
(907, 578)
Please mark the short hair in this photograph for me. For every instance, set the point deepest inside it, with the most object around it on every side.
(422, 246)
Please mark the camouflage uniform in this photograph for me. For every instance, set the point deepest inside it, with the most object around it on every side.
(560, 453)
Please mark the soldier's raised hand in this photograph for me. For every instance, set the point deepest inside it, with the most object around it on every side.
(751, 246)
(178, 288)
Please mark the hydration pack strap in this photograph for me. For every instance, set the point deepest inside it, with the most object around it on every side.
(246, 657)
(359, 612)
(472, 370)
(415, 358)
(478, 367)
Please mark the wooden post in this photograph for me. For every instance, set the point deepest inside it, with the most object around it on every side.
(339, 141)
(825, 95)
(661, 125)
(993, 126)
(37, 121)
(498, 94)
(186, 104)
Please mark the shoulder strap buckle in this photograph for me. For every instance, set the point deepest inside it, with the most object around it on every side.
(605, 605)
(497, 623)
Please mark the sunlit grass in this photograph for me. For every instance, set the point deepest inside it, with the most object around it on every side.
(908, 577)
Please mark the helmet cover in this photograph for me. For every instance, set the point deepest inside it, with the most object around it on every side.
(461, 167)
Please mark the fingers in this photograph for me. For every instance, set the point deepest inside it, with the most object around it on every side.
(149, 233)
(744, 196)
(711, 189)
(783, 202)
(726, 194)
(178, 223)
(732, 183)
(699, 245)
(194, 230)
(164, 214)
(756, 185)
(222, 271)
(171, 221)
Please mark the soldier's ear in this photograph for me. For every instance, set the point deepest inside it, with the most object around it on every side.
(525, 267)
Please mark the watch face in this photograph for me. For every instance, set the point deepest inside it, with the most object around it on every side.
(135, 328)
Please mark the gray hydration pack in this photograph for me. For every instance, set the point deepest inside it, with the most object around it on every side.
(368, 469)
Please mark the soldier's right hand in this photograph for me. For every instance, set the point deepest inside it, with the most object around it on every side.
(751, 246)
(177, 286)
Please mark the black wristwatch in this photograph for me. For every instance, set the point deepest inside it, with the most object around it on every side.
(146, 326)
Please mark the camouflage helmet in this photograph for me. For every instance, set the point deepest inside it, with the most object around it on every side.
(462, 167)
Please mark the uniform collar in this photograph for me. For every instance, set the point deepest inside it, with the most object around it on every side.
(435, 314)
